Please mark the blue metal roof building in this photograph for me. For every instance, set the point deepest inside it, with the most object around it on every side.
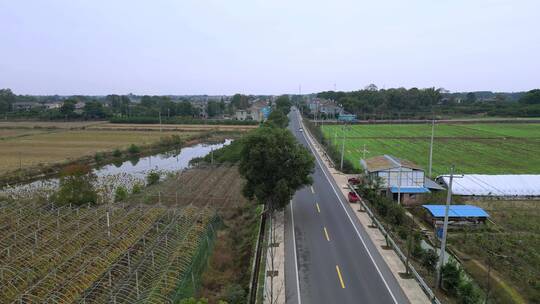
(456, 211)
(458, 215)
(412, 190)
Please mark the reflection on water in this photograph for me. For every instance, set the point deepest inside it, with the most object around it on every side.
(136, 168)
(169, 161)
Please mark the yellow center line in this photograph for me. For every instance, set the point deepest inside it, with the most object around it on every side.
(326, 234)
(339, 276)
(312, 191)
(318, 209)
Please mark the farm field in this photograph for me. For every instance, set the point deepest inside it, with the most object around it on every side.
(473, 148)
(171, 127)
(150, 253)
(57, 146)
(47, 124)
(515, 242)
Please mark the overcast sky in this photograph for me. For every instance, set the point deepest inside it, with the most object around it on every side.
(266, 46)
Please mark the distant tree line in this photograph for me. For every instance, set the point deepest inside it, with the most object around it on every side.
(372, 102)
(116, 107)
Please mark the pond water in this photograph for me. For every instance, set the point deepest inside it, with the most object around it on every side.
(170, 161)
(127, 172)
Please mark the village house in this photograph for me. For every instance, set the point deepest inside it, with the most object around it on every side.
(241, 115)
(24, 105)
(259, 110)
(399, 177)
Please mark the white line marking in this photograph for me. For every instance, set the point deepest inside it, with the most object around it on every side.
(350, 219)
(295, 257)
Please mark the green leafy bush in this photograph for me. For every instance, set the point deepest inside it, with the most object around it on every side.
(134, 149)
(429, 259)
(451, 277)
(120, 193)
(76, 186)
(234, 293)
(117, 153)
(152, 178)
(137, 188)
(99, 157)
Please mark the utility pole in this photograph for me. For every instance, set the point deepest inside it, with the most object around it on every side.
(342, 147)
(431, 146)
(445, 229)
(364, 152)
(399, 185)
(160, 129)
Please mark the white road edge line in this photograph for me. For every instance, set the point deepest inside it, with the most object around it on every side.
(295, 256)
(348, 215)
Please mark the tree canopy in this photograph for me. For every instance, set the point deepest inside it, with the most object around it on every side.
(531, 97)
(283, 103)
(274, 165)
(278, 119)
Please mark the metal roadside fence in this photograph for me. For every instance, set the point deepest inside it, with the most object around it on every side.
(427, 290)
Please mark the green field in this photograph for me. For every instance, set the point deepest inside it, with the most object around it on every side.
(488, 148)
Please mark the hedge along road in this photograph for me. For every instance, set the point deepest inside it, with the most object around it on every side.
(329, 256)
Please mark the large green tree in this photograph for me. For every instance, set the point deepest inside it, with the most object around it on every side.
(283, 103)
(6, 99)
(94, 109)
(274, 165)
(278, 119)
(531, 97)
(68, 107)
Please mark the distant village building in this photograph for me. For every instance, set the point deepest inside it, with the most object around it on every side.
(24, 106)
(346, 117)
(53, 105)
(259, 110)
(399, 176)
(200, 107)
(241, 115)
(324, 106)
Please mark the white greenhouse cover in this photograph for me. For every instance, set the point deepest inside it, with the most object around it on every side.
(496, 185)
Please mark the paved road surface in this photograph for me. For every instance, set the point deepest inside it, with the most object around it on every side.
(329, 256)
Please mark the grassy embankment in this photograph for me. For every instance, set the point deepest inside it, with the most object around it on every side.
(473, 148)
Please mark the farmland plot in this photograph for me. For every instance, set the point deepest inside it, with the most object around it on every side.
(473, 148)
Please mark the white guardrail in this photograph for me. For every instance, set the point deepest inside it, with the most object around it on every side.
(427, 290)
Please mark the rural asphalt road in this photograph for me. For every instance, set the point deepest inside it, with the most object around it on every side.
(329, 258)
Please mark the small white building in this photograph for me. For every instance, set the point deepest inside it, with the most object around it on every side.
(397, 176)
(241, 115)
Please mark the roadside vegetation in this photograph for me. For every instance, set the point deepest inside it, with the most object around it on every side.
(407, 232)
(333, 150)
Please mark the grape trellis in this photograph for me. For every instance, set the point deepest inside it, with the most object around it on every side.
(149, 250)
(102, 254)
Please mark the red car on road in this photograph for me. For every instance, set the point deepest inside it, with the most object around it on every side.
(353, 198)
(354, 181)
